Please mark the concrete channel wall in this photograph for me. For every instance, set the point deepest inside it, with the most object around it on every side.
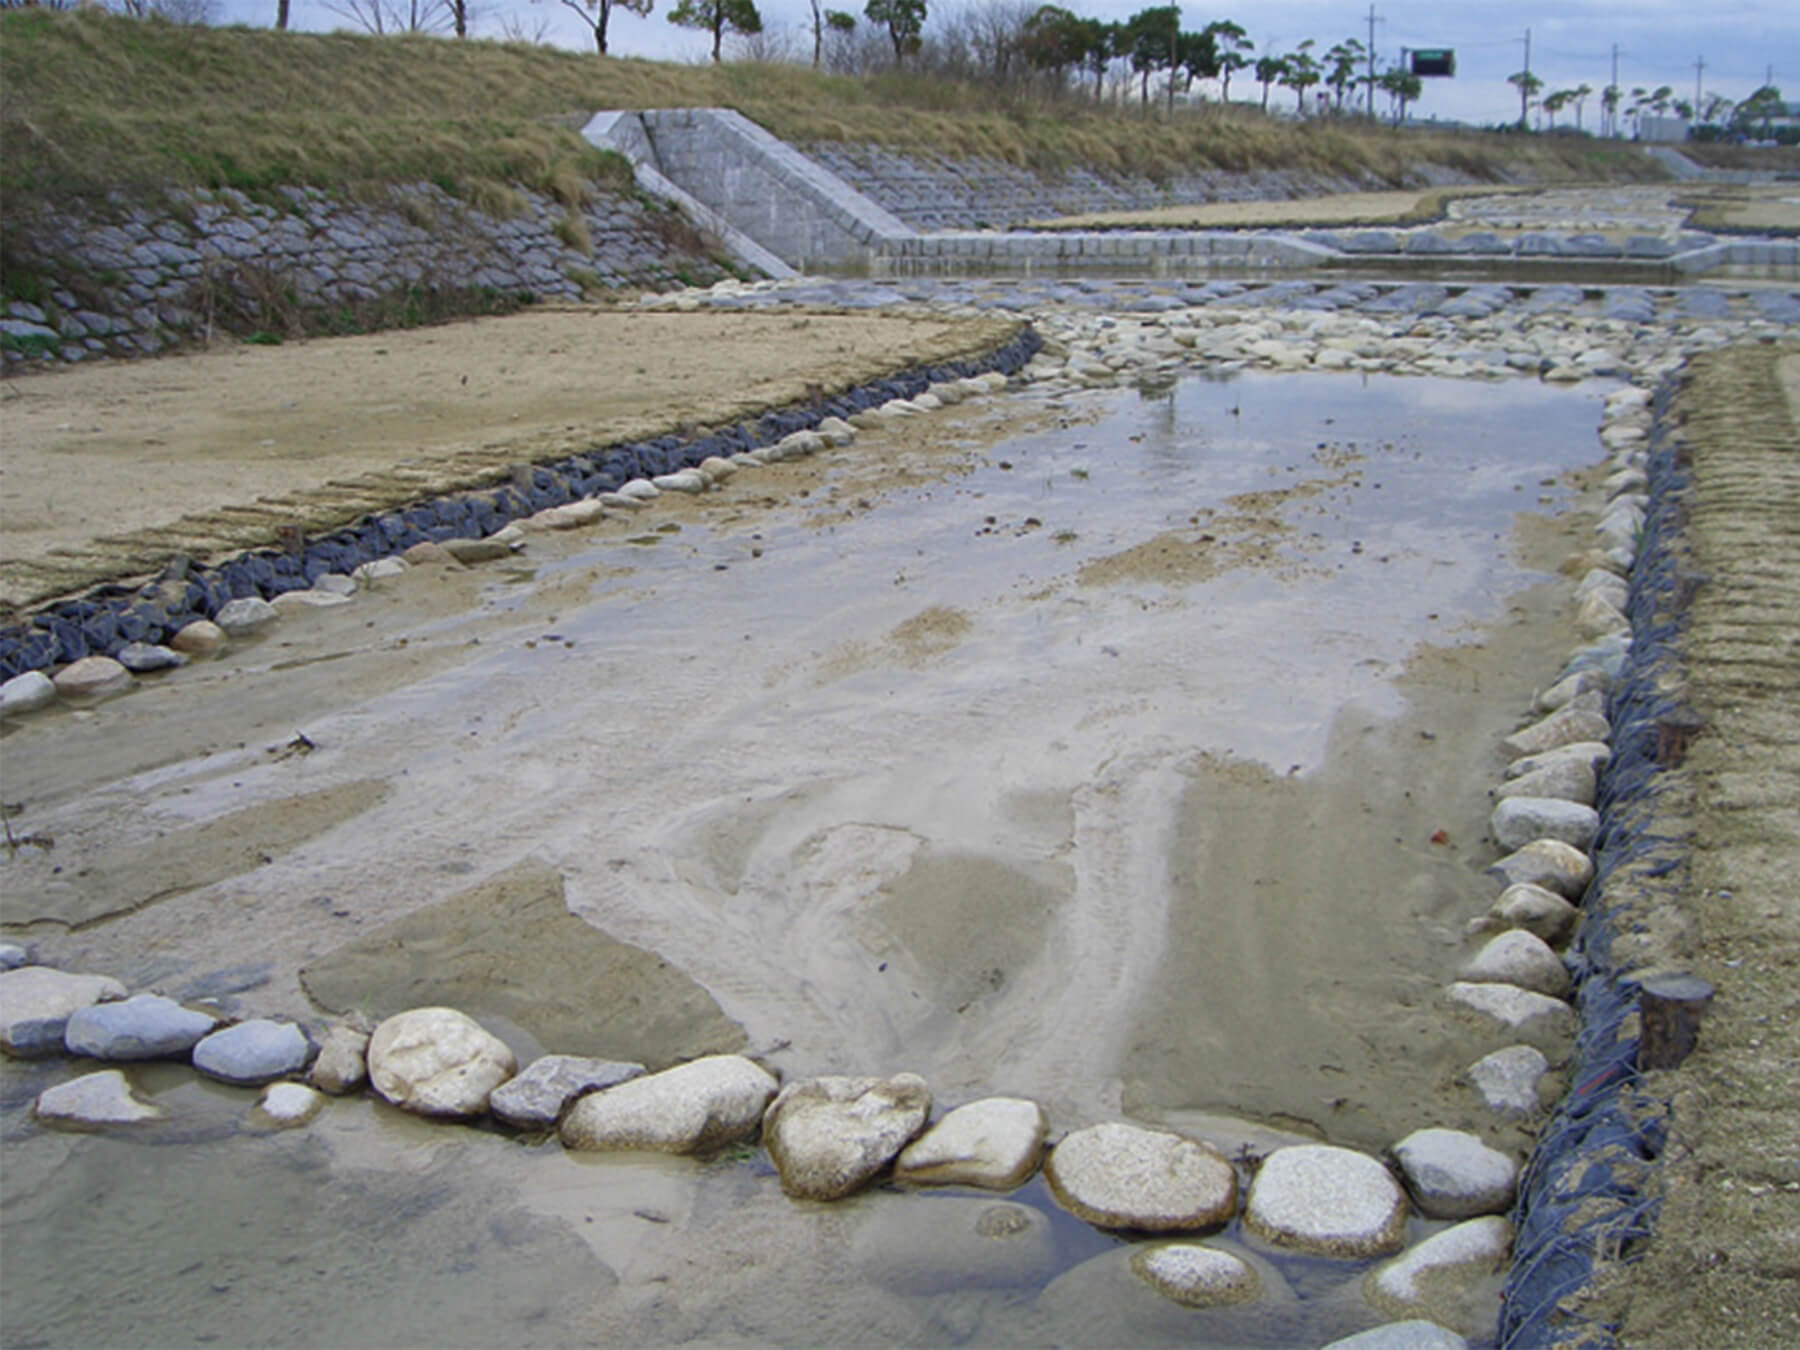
(763, 187)
(780, 210)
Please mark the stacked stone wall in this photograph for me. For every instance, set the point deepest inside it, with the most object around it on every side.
(123, 278)
(931, 192)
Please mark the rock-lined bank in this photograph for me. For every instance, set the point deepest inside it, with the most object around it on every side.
(125, 278)
(133, 624)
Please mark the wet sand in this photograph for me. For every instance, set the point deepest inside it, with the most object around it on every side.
(114, 468)
(855, 767)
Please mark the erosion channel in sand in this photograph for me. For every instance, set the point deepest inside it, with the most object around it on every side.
(1086, 749)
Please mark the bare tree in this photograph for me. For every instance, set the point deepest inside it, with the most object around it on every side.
(394, 16)
(514, 28)
(597, 14)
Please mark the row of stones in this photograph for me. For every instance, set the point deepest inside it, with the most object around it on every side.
(90, 679)
(144, 281)
(828, 1137)
(112, 621)
(1769, 312)
(1091, 350)
(941, 192)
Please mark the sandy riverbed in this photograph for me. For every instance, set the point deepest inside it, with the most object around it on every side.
(218, 449)
(1029, 801)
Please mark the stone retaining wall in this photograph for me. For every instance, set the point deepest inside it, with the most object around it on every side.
(124, 278)
(933, 192)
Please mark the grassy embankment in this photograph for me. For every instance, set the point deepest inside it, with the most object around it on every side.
(90, 102)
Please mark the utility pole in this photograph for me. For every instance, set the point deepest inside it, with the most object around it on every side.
(1373, 20)
(1699, 67)
(1525, 85)
(1612, 113)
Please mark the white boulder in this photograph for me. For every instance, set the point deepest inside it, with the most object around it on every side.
(1327, 1201)
(1120, 1175)
(438, 1062)
(692, 1108)
(830, 1136)
(994, 1143)
(1453, 1175)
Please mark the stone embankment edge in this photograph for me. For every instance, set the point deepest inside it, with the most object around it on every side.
(115, 615)
(1586, 1197)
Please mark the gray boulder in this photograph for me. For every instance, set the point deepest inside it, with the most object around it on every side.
(253, 1053)
(240, 618)
(1195, 1275)
(1453, 1175)
(1568, 779)
(1536, 1018)
(1508, 1080)
(26, 693)
(537, 1098)
(1453, 1278)
(1519, 820)
(36, 1003)
(146, 1026)
(1522, 959)
(1413, 1334)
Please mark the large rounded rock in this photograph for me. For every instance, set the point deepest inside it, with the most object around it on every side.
(1108, 1301)
(36, 1003)
(1519, 820)
(92, 677)
(692, 1108)
(1549, 863)
(26, 693)
(1558, 729)
(95, 1099)
(948, 1244)
(253, 1053)
(438, 1062)
(1536, 1018)
(1569, 779)
(1195, 1275)
(1508, 1080)
(1542, 913)
(1452, 1175)
(537, 1098)
(994, 1143)
(242, 617)
(1521, 959)
(1120, 1175)
(831, 1136)
(200, 639)
(1453, 1278)
(1327, 1201)
(1595, 754)
(147, 1026)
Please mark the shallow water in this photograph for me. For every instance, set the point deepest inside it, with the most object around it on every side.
(901, 792)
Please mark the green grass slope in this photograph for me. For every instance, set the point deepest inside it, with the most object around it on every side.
(92, 102)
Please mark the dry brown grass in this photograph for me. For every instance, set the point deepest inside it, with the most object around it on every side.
(91, 102)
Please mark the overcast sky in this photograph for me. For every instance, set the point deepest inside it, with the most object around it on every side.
(1571, 40)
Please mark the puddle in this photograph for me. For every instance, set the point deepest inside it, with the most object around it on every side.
(1108, 777)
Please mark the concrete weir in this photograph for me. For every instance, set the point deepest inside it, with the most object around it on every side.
(781, 212)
